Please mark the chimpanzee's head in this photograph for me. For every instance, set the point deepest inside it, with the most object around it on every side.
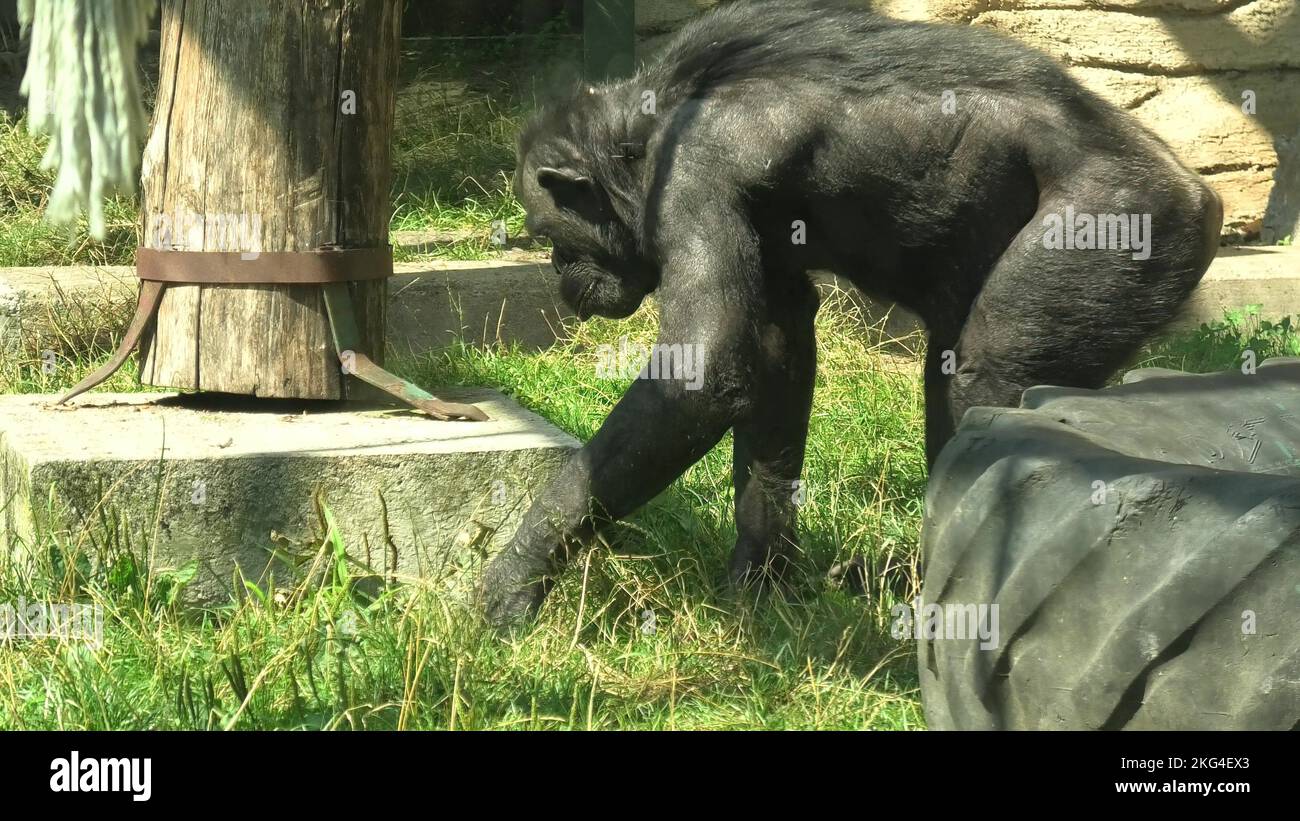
(569, 178)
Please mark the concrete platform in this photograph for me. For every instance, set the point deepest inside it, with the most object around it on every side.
(219, 482)
(430, 304)
(517, 300)
(1265, 275)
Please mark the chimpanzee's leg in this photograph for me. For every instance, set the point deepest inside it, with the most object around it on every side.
(938, 413)
(769, 444)
(1072, 317)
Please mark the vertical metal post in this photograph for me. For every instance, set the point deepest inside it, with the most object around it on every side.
(609, 38)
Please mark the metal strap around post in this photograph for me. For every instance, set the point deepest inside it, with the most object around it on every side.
(343, 326)
(331, 268)
(264, 267)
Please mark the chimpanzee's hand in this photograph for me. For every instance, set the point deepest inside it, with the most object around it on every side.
(516, 582)
(656, 431)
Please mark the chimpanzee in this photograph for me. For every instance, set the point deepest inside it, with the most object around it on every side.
(1040, 233)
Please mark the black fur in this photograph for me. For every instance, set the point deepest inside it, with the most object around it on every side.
(772, 112)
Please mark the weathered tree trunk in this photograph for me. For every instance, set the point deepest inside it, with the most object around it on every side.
(271, 132)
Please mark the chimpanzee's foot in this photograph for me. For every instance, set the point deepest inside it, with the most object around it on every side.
(760, 568)
(860, 576)
(851, 575)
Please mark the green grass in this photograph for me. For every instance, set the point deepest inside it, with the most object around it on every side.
(25, 237)
(331, 656)
(1223, 345)
(340, 653)
(452, 153)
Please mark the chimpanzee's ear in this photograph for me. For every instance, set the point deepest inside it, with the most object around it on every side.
(560, 180)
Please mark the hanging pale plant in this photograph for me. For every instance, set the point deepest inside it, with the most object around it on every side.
(83, 91)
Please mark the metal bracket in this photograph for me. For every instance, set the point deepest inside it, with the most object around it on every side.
(146, 308)
(347, 340)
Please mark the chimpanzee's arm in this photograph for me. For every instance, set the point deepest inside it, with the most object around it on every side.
(710, 292)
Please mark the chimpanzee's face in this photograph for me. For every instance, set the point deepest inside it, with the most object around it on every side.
(594, 252)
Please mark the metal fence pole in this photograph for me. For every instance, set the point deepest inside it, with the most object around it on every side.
(609, 38)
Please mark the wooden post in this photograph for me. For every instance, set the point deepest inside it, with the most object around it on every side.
(271, 132)
(609, 38)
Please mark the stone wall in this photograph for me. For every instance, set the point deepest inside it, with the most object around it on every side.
(1188, 69)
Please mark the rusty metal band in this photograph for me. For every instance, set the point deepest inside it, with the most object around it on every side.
(263, 268)
(332, 269)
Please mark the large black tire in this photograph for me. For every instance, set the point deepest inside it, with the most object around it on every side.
(1129, 605)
